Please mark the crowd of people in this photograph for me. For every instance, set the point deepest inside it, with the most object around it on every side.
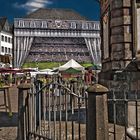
(58, 50)
(57, 57)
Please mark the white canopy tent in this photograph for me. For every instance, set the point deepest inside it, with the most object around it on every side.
(33, 74)
(71, 64)
(46, 70)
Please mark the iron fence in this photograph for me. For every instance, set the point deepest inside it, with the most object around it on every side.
(56, 111)
(62, 111)
(124, 113)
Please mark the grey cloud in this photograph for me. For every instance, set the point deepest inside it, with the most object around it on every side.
(32, 5)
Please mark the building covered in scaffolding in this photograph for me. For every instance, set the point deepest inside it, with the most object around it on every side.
(56, 35)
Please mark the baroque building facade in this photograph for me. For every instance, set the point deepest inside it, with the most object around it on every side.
(56, 35)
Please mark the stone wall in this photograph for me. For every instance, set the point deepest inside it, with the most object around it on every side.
(120, 67)
(120, 34)
(121, 39)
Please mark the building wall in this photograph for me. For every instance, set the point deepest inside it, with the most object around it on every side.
(138, 28)
(25, 32)
(6, 44)
(119, 48)
(121, 53)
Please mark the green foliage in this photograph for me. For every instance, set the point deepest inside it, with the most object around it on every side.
(87, 65)
(49, 65)
(42, 65)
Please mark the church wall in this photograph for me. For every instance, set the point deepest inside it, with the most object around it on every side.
(120, 43)
(122, 66)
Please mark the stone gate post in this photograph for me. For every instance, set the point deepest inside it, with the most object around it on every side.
(97, 112)
(22, 94)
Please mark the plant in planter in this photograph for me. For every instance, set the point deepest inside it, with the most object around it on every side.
(1, 82)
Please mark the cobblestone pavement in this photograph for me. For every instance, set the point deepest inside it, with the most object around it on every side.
(8, 125)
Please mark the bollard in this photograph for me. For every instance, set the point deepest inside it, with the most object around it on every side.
(22, 94)
(97, 113)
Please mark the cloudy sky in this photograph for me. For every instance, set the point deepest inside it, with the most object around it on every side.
(19, 8)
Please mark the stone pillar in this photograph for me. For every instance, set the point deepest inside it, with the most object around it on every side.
(97, 113)
(22, 94)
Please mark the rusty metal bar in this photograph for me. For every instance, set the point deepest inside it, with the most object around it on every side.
(86, 106)
(49, 106)
(79, 127)
(125, 113)
(66, 117)
(136, 105)
(54, 113)
(114, 115)
(60, 113)
(49, 111)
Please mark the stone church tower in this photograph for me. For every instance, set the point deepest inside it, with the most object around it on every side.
(120, 47)
(120, 33)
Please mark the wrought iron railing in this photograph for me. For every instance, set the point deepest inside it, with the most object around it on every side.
(56, 111)
(124, 113)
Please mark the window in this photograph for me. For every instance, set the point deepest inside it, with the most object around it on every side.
(90, 25)
(5, 38)
(5, 50)
(73, 25)
(8, 39)
(2, 38)
(84, 25)
(21, 23)
(8, 50)
(2, 49)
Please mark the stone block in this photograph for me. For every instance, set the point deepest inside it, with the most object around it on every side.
(119, 55)
(117, 30)
(116, 13)
(116, 4)
(123, 47)
(120, 12)
(116, 21)
(127, 19)
(119, 65)
(127, 29)
(121, 38)
(127, 37)
(117, 47)
(119, 21)
(121, 30)
(127, 11)
(134, 85)
(128, 54)
(126, 3)
(117, 38)
(106, 66)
